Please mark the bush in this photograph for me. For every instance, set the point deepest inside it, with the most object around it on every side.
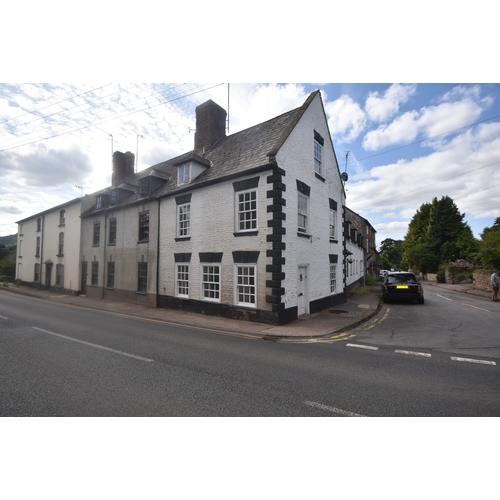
(440, 277)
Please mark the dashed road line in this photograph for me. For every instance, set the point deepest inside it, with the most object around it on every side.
(443, 297)
(95, 345)
(3, 317)
(469, 360)
(360, 346)
(413, 353)
(332, 409)
(480, 308)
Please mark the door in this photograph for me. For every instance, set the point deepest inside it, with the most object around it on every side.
(83, 287)
(48, 276)
(302, 292)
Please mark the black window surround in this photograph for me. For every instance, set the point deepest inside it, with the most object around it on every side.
(246, 184)
(182, 257)
(210, 257)
(245, 257)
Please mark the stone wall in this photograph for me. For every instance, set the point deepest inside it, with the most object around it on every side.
(482, 280)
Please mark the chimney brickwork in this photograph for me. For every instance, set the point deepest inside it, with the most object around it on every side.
(210, 125)
(123, 166)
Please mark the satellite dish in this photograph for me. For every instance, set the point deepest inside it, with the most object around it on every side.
(344, 176)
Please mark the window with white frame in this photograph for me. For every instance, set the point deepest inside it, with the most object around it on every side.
(144, 226)
(182, 280)
(303, 210)
(61, 244)
(62, 217)
(184, 174)
(184, 220)
(37, 246)
(112, 232)
(333, 278)
(210, 282)
(333, 224)
(37, 273)
(246, 284)
(60, 275)
(142, 277)
(97, 233)
(111, 275)
(318, 158)
(246, 207)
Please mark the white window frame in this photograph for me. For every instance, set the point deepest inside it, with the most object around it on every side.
(333, 278)
(182, 271)
(184, 174)
(318, 158)
(239, 212)
(183, 226)
(333, 224)
(301, 212)
(205, 284)
(245, 289)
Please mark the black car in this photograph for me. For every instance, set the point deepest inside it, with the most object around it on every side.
(402, 286)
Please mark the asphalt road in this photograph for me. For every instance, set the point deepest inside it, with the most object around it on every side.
(59, 360)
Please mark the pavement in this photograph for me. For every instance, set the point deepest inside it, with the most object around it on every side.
(361, 305)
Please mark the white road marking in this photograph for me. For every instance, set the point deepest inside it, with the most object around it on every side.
(446, 298)
(414, 353)
(480, 308)
(333, 410)
(468, 360)
(94, 345)
(3, 317)
(363, 346)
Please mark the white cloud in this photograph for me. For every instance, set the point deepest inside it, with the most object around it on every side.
(346, 119)
(430, 121)
(382, 108)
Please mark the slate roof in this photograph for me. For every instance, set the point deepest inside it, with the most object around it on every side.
(233, 155)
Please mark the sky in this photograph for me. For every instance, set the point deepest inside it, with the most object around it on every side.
(400, 144)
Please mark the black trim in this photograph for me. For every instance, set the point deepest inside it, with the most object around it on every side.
(209, 257)
(304, 235)
(181, 200)
(245, 257)
(320, 177)
(246, 184)
(303, 188)
(184, 238)
(319, 138)
(182, 257)
(333, 204)
(246, 233)
(333, 258)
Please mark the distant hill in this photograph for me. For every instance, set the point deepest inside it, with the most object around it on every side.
(8, 241)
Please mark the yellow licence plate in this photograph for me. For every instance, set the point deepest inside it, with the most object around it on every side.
(402, 286)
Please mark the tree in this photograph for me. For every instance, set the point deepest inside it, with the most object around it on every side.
(422, 258)
(392, 253)
(489, 246)
(446, 224)
(418, 230)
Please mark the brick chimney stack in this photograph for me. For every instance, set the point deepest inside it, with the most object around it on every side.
(123, 166)
(210, 125)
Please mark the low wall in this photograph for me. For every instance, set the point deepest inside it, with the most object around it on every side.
(482, 280)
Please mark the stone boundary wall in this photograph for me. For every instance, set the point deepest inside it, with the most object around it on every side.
(482, 280)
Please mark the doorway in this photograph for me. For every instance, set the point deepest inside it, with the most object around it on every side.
(302, 292)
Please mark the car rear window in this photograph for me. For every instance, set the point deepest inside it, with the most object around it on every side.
(401, 278)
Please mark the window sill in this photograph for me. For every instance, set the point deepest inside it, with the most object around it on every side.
(60, 255)
(246, 233)
(332, 240)
(111, 244)
(320, 177)
(183, 238)
(142, 293)
(61, 225)
(304, 235)
(143, 241)
(96, 245)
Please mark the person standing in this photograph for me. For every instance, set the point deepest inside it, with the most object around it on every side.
(495, 283)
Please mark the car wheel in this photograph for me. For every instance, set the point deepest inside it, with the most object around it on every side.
(420, 301)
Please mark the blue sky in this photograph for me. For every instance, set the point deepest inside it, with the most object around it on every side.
(407, 143)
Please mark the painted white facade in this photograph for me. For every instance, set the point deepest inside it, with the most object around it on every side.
(49, 248)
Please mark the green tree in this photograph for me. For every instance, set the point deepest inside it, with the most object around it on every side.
(446, 225)
(392, 253)
(422, 258)
(418, 230)
(489, 246)
(8, 264)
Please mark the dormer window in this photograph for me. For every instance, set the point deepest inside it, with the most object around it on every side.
(184, 174)
(98, 202)
(144, 187)
(114, 197)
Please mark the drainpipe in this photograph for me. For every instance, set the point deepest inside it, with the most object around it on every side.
(41, 251)
(158, 257)
(104, 243)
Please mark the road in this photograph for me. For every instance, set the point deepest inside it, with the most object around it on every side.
(60, 360)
